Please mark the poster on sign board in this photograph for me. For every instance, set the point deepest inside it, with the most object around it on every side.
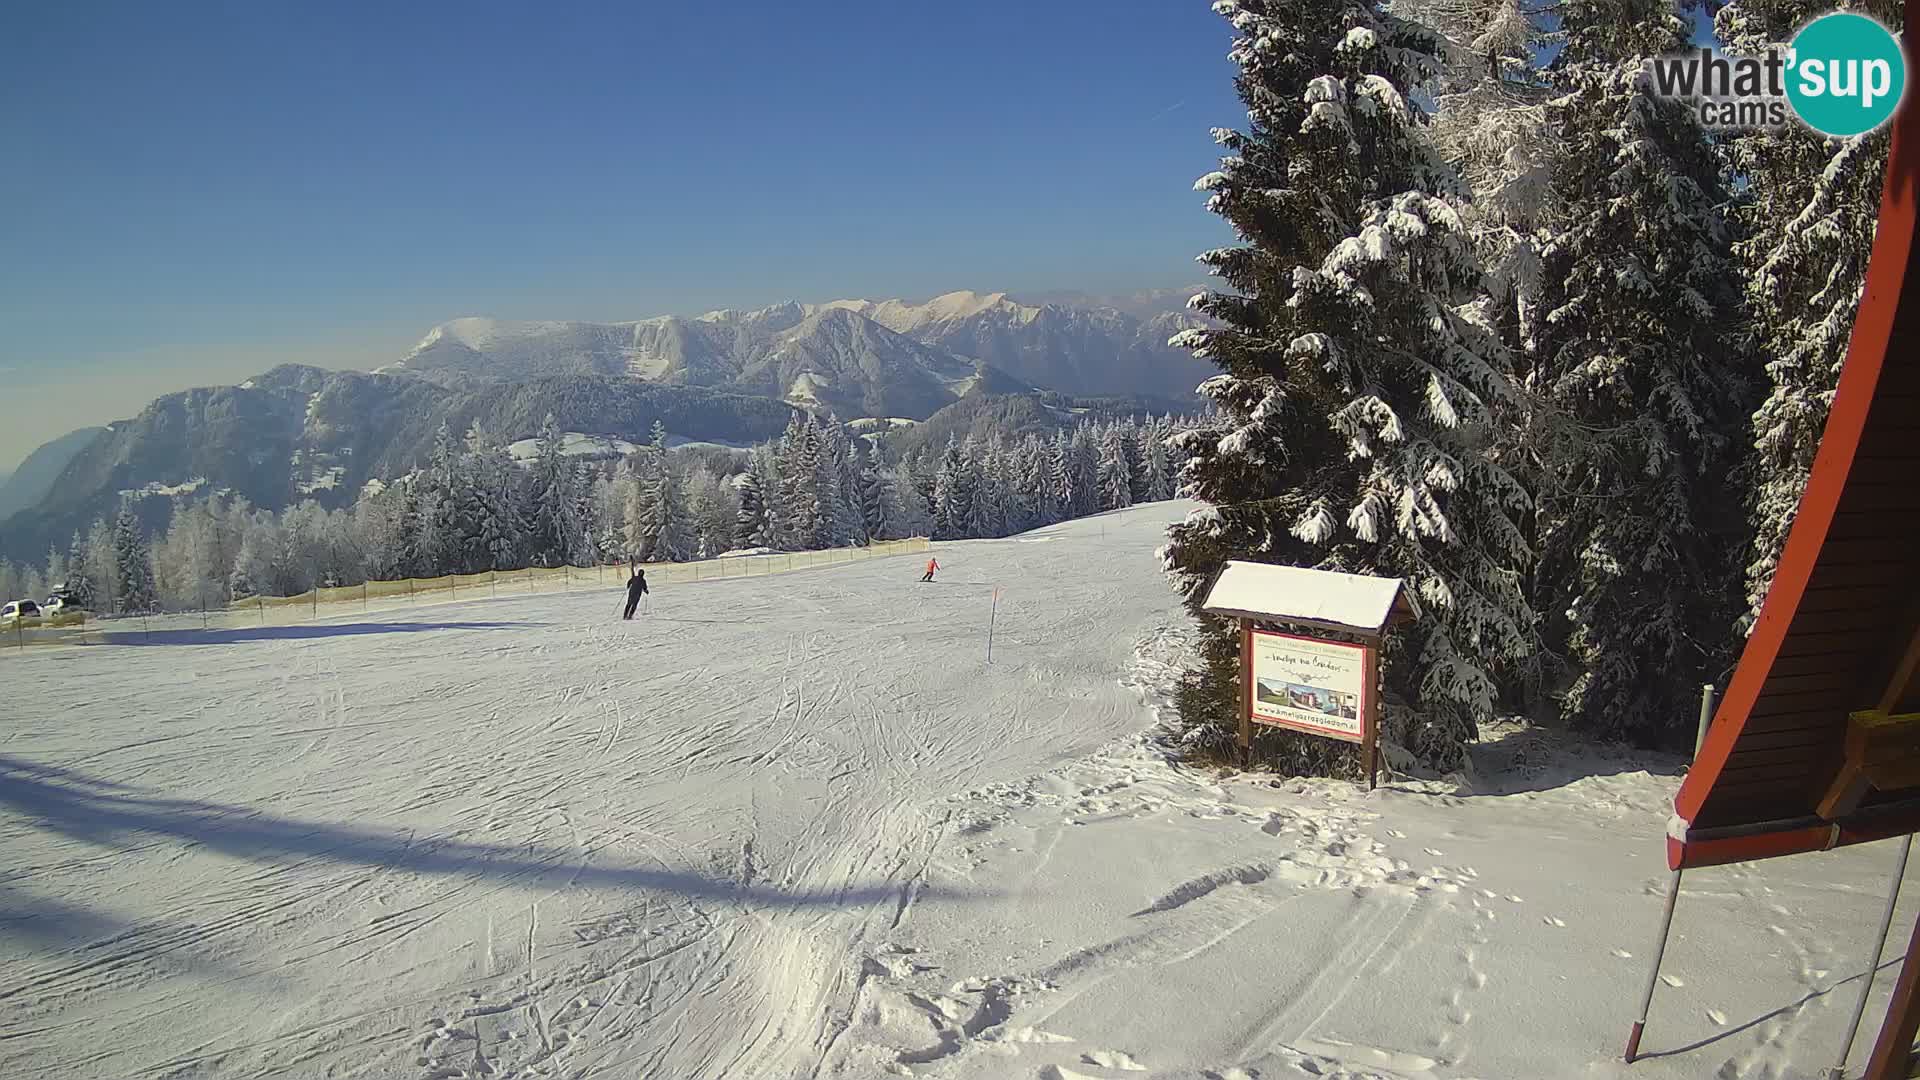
(1309, 685)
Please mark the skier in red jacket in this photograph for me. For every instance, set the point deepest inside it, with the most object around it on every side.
(932, 565)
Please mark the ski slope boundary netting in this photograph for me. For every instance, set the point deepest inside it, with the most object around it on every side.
(399, 594)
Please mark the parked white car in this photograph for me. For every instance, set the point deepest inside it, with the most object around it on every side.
(20, 611)
(56, 605)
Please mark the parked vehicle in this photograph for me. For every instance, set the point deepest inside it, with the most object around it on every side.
(20, 611)
(56, 605)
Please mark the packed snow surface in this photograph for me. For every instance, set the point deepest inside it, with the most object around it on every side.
(797, 826)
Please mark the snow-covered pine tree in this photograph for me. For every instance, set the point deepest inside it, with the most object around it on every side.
(909, 513)
(800, 486)
(952, 494)
(1083, 468)
(781, 485)
(675, 542)
(853, 489)
(639, 518)
(1807, 208)
(1136, 458)
(133, 565)
(873, 493)
(493, 519)
(54, 569)
(554, 513)
(1115, 474)
(1640, 529)
(1159, 467)
(1061, 495)
(82, 589)
(101, 560)
(1357, 395)
(986, 513)
(749, 525)
(830, 518)
(1027, 473)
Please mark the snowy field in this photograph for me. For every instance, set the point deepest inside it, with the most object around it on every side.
(796, 826)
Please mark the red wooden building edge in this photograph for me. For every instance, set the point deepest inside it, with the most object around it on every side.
(1843, 591)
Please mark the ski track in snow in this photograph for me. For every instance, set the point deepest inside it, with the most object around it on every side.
(519, 837)
(796, 826)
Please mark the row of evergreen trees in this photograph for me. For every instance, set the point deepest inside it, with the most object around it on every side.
(472, 507)
(1508, 326)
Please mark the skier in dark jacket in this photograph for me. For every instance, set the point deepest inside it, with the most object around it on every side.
(636, 588)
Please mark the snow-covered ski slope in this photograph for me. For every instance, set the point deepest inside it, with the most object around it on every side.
(797, 827)
(646, 849)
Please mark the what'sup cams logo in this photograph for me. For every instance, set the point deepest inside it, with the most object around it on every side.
(1844, 74)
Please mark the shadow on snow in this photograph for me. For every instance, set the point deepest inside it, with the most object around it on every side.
(302, 631)
(116, 817)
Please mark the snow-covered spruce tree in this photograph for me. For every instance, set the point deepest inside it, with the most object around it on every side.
(952, 493)
(1639, 523)
(1083, 472)
(831, 518)
(638, 518)
(54, 570)
(986, 515)
(1807, 211)
(675, 542)
(873, 494)
(1136, 457)
(1116, 475)
(133, 565)
(1357, 399)
(82, 590)
(493, 518)
(553, 515)
(799, 492)
(749, 525)
(908, 511)
(1159, 467)
(1060, 491)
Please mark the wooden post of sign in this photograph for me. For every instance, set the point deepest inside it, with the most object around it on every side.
(1246, 692)
(1370, 741)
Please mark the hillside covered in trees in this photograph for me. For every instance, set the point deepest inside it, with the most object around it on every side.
(473, 507)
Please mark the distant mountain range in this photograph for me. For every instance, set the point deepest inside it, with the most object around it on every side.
(854, 357)
(726, 376)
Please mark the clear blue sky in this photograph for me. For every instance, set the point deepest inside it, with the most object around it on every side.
(197, 191)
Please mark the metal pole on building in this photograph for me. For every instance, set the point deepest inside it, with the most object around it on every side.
(1706, 717)
(1839, 1069)
(1653, 976)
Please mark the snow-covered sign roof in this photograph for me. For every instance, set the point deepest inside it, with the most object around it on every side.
(1349, 602)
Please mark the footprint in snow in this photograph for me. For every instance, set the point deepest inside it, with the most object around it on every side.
(1396, 834)
(1113, 1059)
(1623, 954)
(1673, 980)
(1512, 899)
(1719, 1018)
(1435, 852)
(1551, 921)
